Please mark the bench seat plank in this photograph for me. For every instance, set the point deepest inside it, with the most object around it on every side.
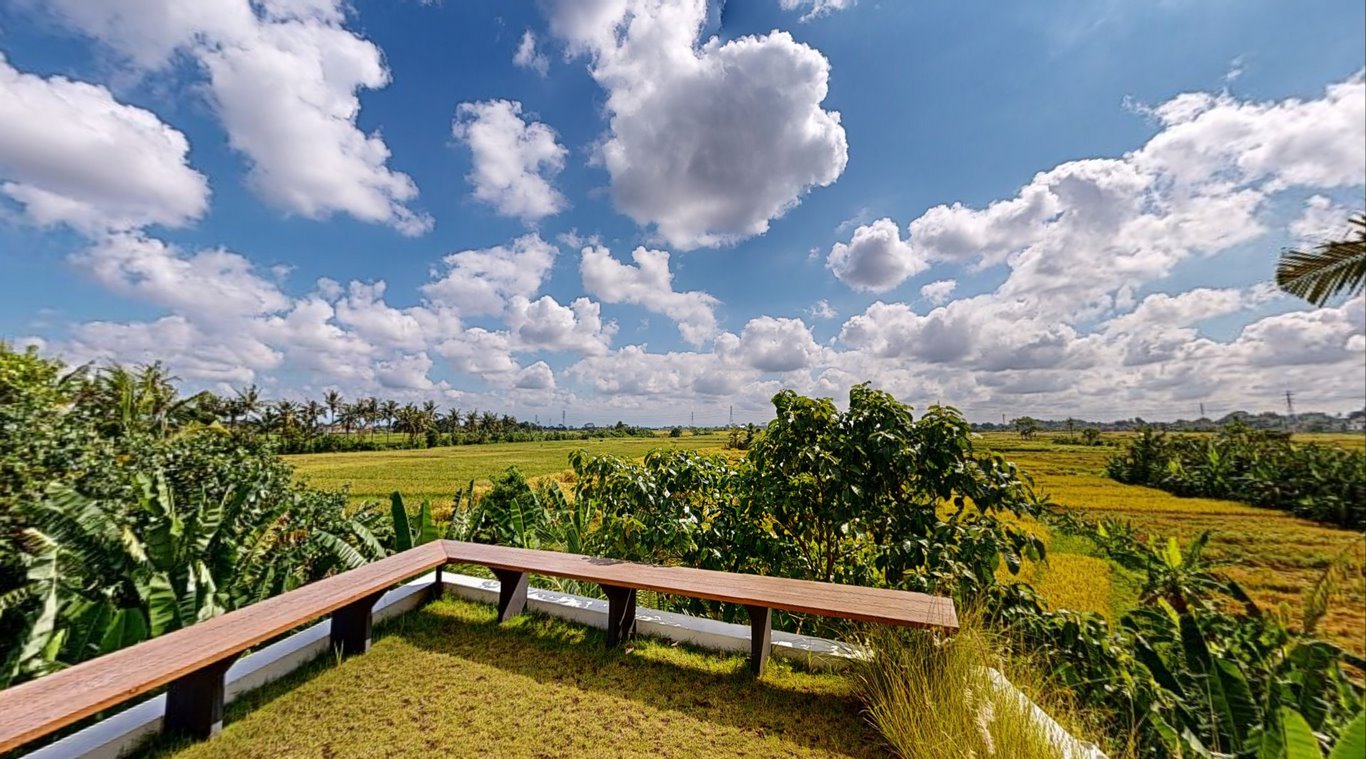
(880, 605)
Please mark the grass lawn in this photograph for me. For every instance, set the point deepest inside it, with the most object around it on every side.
(1275, 556)
(446, 680)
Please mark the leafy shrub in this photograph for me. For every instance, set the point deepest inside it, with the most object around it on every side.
(1259, 467)
(124, 517)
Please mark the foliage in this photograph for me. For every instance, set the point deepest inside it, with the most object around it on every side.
(1330, 269)
(1185, 675)
(1325, 483)
(125, 517)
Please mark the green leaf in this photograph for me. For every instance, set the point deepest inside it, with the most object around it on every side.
(1173, 555)
(426, 526)
(43, 576)
(162, 605)
(342, 551)
(128, 626)
(1238, 707)
(403, 533)
(1352, 742)
(1300, 742)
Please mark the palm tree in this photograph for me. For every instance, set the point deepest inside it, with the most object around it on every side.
(248, 401)
(390, 410)
(313, 411)
(1330, 269)
(333, 400)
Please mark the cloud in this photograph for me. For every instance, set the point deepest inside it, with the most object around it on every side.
(482, 281)
(514, 161)
(822, 310)
(813, 9)
(1211, 139)
(876, 259)
(777, 345)
(213, 284)
(72, 154)
(283, 78)
(649, 284)
(408, 372)
(537, 376)
(706, 142)
(527, 57)
(1322, 220)
(544, 324)
(938, 292)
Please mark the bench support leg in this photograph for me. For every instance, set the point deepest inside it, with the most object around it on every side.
(760, 637)
(351, 626)
(511, 593)
(621, 614)
(438, 590)
(194, 703)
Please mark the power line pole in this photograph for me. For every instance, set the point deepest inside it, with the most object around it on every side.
(1202, 409)
(1290, 408)
(692, 418)
(562, 417)
(732, 416)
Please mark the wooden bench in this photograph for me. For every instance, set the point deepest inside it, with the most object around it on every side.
(193, 661)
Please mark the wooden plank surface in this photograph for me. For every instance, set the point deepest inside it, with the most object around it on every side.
(880, 605)
(41, 706)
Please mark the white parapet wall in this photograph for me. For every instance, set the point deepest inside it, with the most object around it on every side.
(119, 734)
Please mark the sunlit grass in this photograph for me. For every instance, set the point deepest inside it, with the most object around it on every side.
(448, 681)
(933, 696)
(437, 473)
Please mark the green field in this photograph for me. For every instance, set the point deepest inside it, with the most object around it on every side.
(437, 473)
(1274, 556)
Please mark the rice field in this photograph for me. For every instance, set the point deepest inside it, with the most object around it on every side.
(1273, 555)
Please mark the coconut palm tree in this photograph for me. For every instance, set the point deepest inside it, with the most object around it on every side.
(313, 411)
(389, 410)
(248, 402)
(333, 400)
(1330, 269)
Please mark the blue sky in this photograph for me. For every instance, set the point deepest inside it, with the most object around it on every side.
(1047, 208)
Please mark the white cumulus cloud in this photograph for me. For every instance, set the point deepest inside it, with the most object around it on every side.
(72, 154)
(875, 259)
(283, 78)
(649, 284)
(514, 161)
(708, 141)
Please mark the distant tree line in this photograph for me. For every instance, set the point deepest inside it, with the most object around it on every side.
(334, 423)
(1325, 483)
(1310, 421)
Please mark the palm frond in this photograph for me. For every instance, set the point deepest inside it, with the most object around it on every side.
(1328, 270)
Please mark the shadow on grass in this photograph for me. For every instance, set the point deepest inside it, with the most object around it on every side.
(448, 680)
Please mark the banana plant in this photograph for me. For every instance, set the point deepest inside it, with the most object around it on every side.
(411, 531)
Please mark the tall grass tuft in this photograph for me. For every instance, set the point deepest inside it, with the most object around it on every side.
(932, 696)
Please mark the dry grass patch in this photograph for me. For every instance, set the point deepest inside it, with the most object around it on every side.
(447, 681)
